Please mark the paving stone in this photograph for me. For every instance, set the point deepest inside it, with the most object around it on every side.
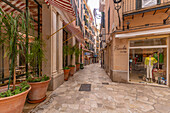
(109, 98)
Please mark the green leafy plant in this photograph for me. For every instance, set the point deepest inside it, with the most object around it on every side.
(38, 79)
(71, 66)
(69, 50)
(36, 55)
(66, 68)
(12, 29)
(18, 89)
(77, 53)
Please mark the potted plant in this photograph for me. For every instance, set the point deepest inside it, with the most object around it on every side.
(81, 66)
(77, 53)
(66, 72)
(39, 83)
(72, 67)
(12, 97)
(77, 66)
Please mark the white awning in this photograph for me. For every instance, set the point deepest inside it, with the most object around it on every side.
(141, 33)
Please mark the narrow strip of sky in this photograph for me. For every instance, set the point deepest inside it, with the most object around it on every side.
(94, 4)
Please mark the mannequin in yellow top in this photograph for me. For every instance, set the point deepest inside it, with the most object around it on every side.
(149, 61)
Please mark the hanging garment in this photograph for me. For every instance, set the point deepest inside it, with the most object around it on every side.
(161, 58)
(155, 56)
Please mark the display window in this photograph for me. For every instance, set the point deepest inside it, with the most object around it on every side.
(147, 61)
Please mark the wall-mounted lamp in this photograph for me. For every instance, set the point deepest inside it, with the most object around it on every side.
(117, 8)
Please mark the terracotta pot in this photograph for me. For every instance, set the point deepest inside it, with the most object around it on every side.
(38, 90)
(77, 67)
(66, 74)
(13, 104)
(72, 71)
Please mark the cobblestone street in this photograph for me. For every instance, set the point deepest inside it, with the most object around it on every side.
(105, 96)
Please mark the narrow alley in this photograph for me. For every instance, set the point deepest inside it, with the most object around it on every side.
(105, 96)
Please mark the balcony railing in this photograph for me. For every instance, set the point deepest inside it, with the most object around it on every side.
(132, 5)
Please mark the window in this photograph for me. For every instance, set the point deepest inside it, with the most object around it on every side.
(78, 3)
(148, 42)
(146, 3)
(1, 62)
(81, 11)
(109, 20)
(65, 58)
(103, 20)
(158, 2)
(138, 4)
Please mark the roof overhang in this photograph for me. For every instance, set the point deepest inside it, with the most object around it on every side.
(75, 31)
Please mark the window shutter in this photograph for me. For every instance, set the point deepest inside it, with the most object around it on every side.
(138, 4)
(109, 20)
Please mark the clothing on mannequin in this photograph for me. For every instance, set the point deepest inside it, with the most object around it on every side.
(149, 61)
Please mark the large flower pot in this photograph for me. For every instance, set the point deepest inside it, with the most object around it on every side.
(66, 74)
(77, 67)
(38, 90)
(13, 104)
(72, 71)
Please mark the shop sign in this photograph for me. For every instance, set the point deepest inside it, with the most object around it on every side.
(147, 3)
(121, 49)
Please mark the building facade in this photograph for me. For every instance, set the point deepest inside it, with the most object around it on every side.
(89, 35)
(58, 26)
(134, 31)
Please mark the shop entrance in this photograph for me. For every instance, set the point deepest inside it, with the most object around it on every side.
(148, 61)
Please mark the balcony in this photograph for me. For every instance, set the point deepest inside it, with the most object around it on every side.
(86, 23)
(130, 6)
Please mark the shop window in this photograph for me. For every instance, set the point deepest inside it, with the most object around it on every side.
(148, 61)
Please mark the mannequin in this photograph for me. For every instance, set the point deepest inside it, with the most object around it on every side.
(149, 61)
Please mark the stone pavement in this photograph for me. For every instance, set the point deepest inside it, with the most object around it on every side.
(104, 98)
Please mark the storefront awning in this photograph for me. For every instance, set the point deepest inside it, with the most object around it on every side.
(142, 33)
(64, 5)
(75, 31)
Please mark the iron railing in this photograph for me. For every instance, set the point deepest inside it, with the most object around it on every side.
(132, 5)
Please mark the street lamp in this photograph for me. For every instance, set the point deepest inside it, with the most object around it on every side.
(117, 8)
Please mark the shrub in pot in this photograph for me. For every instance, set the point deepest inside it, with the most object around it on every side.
(13, 100)
(66, 73)
(77, 53)
(81, 66)
(77, 66)
(38, 82)
(12, 28)
(72, 67)
(39, 87)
